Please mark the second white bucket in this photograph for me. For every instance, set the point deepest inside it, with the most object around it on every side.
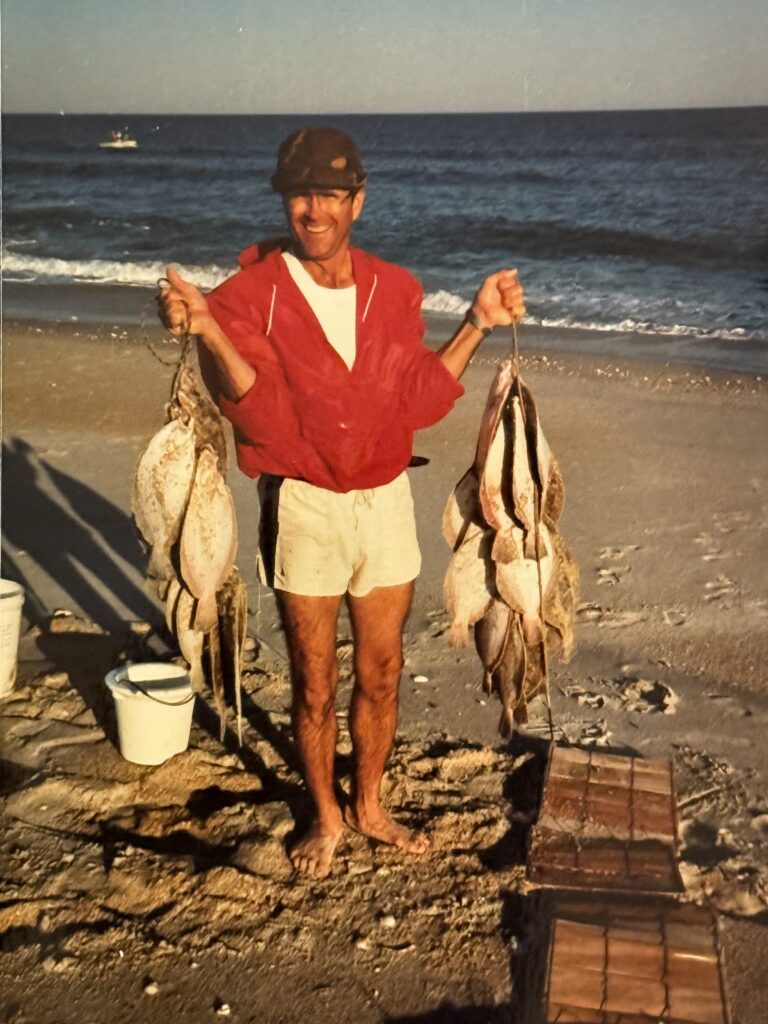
(11, 603)
(154, 703)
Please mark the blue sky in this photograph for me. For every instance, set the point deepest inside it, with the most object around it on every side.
(305, 56)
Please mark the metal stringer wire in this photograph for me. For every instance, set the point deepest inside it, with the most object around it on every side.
(537, 540)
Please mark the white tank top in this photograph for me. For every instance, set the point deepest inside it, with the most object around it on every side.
(333, 307)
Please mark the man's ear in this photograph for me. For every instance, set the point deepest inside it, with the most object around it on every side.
(357, 203)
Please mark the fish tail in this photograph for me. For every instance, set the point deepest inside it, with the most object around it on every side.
(160, 567)
(487, 682)
(505, 723)
(533, 630)
(459, 634)
(206, 614)
(196, 675)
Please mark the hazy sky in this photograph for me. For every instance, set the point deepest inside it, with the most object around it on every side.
(307, 56)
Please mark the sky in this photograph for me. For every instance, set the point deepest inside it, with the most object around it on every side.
(380, 56)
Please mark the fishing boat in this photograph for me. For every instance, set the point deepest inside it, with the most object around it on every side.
(121, 138)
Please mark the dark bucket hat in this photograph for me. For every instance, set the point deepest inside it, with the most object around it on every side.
(318, 158)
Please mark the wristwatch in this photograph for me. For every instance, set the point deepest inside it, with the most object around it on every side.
(472, 318)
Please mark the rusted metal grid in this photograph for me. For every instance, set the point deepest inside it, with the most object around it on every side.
(606, 823)
(609, 963)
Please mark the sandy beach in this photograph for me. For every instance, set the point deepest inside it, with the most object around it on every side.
(166, 891)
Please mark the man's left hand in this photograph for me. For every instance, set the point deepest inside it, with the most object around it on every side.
(499, 302)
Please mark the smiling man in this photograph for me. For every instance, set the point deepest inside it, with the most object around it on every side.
(313, 351)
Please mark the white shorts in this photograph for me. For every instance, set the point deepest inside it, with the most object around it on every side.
(321, 544)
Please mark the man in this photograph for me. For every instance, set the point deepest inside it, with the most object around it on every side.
(313, 351)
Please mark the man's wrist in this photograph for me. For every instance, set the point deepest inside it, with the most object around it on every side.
(474, 320)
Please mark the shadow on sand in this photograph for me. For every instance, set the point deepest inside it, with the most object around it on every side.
(74, 535)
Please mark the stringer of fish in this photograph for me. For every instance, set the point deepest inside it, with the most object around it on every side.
(184, 510)
(504, 512)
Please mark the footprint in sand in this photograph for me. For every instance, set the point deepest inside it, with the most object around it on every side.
(613, 552)
(712, 552)
(608, 618)
(619, 620)
(612, 576)
(674, 617)
(717, 589)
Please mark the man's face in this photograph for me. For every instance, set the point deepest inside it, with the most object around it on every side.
(320, 220)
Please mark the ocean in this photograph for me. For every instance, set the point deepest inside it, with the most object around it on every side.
(644, 224)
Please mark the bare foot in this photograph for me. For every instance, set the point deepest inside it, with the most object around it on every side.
(313, 853)
(379, 825)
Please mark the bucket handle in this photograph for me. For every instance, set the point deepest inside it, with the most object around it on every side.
(165, 703)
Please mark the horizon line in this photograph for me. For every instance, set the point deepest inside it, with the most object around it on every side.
(375, 113)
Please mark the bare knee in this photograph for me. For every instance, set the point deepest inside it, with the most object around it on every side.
(378, 675)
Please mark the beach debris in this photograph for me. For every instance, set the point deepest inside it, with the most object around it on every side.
(606, 821)
(151, 988)
(511, 575)
(647, 695)
(185, 512)
(603, 960)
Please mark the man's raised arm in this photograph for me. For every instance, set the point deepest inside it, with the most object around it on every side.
(183, 308)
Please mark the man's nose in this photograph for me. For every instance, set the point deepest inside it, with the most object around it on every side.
(314, 205)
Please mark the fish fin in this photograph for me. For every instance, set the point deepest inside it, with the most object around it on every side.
(459, 634)
(529, 545)
(217, 678)
(521, 713)
(533, 631)
(160, 567)
(206, 614)
(505, 548)
(197, 675)
(505, 723)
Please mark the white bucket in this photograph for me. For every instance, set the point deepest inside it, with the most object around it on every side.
(154, 703)
(11, 602)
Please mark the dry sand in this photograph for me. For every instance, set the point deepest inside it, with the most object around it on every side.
(164, 894)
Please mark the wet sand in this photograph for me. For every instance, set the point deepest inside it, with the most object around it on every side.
(116, 876)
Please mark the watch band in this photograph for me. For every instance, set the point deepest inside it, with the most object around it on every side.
(472, 318)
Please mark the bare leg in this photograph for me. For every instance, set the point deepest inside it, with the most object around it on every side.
(310, 626)
(377, 620)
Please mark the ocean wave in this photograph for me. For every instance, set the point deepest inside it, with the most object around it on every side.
(23, 268)
(453, 306)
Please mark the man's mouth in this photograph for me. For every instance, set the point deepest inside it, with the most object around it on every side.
(316, 230)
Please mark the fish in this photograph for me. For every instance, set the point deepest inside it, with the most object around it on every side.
(162, 484)
(522, 582)
(208, 538)
(508, 678)
(467, 588)
(461, 510)
(491, 639)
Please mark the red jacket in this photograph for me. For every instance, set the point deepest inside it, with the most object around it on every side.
(308, 416)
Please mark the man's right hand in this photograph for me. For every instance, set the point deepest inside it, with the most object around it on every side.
(182, 307)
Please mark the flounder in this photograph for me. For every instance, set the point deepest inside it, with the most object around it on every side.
(161, 488)
(208, 538)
